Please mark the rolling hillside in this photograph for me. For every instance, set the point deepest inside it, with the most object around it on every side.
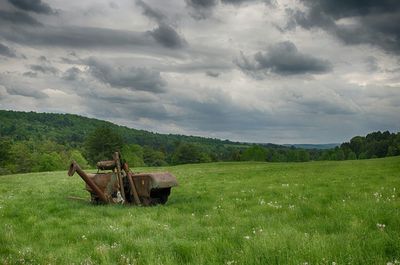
(72, 130)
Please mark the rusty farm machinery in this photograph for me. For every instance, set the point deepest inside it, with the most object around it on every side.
(123, 186)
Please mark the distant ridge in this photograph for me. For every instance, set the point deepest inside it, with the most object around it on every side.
(314, 146)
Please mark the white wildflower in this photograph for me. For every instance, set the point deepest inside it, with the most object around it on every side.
(380, 226)
(84, 237)
(274, 205)
(113, 228)
(115, 245)
(246, 237)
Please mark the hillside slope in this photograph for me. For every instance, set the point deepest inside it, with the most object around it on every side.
(72, 130)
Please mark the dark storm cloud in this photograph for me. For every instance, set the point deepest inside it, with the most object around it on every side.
(5, 51)
(76, 37)
(167, 36)
(372, 64)
(375, 22)
(212, 73)
(239, 2)
(25, 91)
(36, 6)
(45, 69)
(164, 34)
(43, 58)
(150, 12)
(134, 78)
(30, 74)
(201, 3)
(201, 9)
(17, 18)
(284, 59)
(72, 74)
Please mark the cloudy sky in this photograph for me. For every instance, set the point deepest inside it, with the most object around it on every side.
(290, 71)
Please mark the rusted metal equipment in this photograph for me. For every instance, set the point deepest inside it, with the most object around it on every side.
(121, 185)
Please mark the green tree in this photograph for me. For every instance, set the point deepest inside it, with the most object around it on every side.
(133, 155)
(292, 155)
(102, 143)
(22, 158)
(49, 162)
(153, 157)
(303, 155)
(255, 153)
(5, 146)
(187, 153)
(339, 154)
(351, 156)
(77, 156)
(357, 144)
(5, 155)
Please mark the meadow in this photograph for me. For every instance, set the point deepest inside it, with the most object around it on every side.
(328, 212)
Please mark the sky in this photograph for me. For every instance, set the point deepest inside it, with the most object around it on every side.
(290, 71)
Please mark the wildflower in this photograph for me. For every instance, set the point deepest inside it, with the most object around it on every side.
(380, 226)
(285, 185)
(261, 201)
(113, 228)
(230, 262)
(84, 237)
(114, 245)
(246, 237)
(274, 205)
(192, 214)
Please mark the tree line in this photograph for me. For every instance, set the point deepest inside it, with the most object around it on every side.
(32, 142)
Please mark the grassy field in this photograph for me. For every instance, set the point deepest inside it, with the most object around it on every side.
(223, 213)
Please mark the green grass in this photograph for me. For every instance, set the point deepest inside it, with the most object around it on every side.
(222, 213)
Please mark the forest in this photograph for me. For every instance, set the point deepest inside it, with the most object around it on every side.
(34, 142)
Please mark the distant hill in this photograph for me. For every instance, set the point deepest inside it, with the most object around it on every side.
(314, 146)
(31, 141)
(72, 130)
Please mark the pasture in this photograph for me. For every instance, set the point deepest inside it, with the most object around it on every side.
(344, 212)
